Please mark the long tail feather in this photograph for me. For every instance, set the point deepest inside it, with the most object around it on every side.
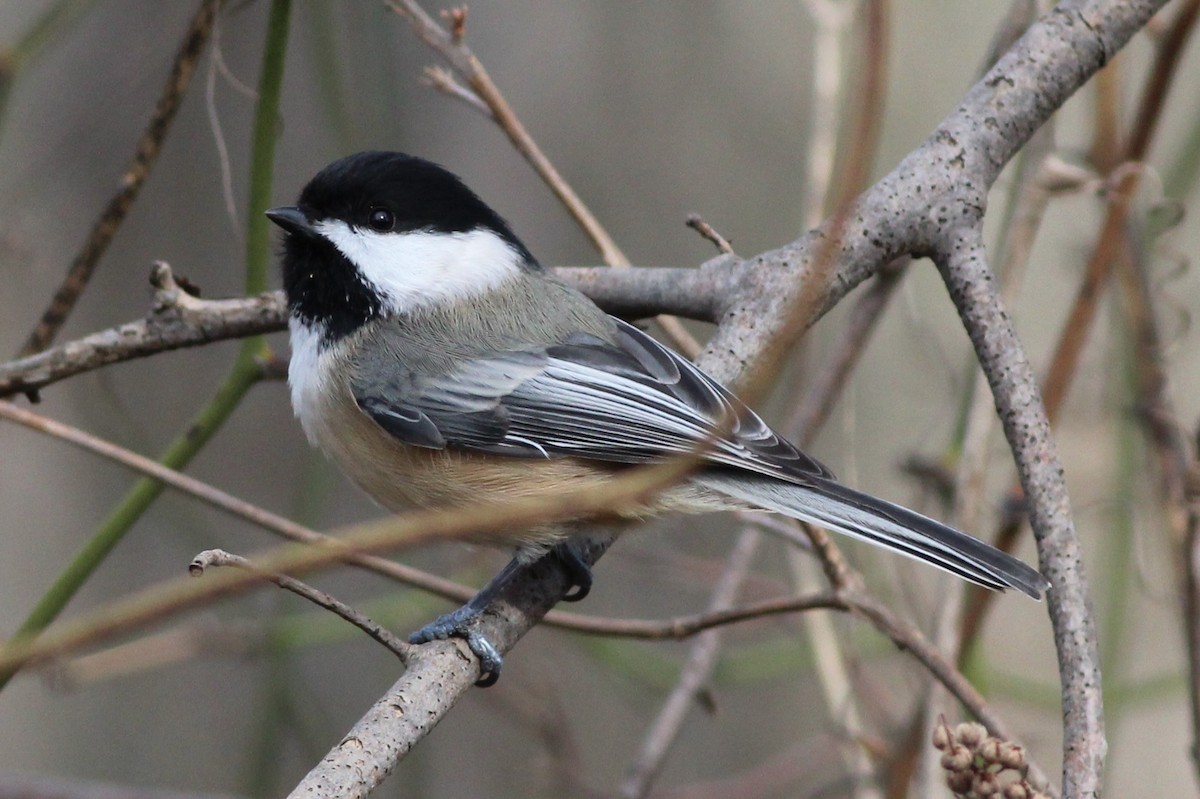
(844, 510)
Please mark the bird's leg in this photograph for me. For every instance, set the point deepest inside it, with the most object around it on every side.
(463, 622)
(579, 573)
(466, 622)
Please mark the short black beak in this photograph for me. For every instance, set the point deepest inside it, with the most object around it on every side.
(291, 219)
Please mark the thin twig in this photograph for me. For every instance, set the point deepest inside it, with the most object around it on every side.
(1174, 455)
(469, 67)
(211, 558)
(696, 223)
(216, 498)
(830, 380)
(1075, 330)
(831, 19)
(407, 575)
(145, 155)
(216, 65)
(451, 46)
(697, 670)
(444, 81)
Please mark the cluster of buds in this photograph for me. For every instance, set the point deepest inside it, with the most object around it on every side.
(979, 766)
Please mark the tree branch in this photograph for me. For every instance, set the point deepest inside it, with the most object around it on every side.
(145, 155)
(178, 320)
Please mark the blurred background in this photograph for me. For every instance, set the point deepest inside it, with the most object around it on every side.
(651, 111)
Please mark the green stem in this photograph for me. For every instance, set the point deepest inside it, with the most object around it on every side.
(244, 373)
(262, 154)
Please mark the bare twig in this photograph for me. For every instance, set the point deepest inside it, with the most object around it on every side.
(444, 81)
(696, 671)
(696, 223)
(1083, 311)
(831, 19)
(827, 384)
(670, 629)
(484, 94)
(145, 155)
(216, 65)
(216, 498)
(469, 67)
(211, 558)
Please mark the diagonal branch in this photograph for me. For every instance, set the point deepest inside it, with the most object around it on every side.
(146, 153)
(485, 96)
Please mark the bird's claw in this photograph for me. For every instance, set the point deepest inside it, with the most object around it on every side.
(463, 623)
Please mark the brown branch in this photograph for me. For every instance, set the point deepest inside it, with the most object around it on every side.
(522, 602)
(696, 223)
(485, 94)
(671, 629)
(148, 147)
(212, 558)
(1078, 325)
(471, 69)
(285, 528)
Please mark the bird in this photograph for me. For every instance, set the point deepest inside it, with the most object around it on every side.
(438, 363)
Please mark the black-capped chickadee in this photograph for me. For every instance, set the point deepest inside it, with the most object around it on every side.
(438, 363)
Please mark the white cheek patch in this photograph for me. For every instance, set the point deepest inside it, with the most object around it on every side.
(418, 268)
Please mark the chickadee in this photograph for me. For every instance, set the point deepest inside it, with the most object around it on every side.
(438, 363)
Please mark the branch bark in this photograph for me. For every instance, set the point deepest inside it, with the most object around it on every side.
(178, 320)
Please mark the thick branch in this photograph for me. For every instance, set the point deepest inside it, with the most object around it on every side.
(178, 319)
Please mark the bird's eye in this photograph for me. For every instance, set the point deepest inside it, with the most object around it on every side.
(381, 220)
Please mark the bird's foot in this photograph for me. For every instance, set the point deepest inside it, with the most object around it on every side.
(463, 623)
(466, 622)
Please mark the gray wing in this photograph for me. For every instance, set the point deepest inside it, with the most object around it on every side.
(628, 401)
(634, 401)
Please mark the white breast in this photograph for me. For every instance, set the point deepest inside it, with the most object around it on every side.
(308, 377)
